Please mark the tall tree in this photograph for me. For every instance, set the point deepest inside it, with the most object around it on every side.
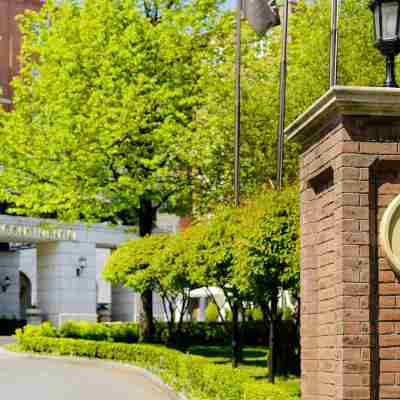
(103, 125)
(212, 249)
(268, 259)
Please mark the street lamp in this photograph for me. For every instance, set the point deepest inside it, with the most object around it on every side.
(82, 264)
(387, 38)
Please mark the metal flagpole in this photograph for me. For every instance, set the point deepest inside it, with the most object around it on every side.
(237, 102)
(282, 97)
(334, 44)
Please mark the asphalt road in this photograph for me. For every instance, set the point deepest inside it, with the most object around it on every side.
(28, 377)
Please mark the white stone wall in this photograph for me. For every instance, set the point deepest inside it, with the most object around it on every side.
(103, 287)
(62, 295)
(125, 304)
(51, 268)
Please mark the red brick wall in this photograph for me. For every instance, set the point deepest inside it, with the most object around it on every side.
(343, 304)
(318, 294)
(387, 187)
(10, 39)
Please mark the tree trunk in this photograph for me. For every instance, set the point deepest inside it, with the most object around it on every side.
(146, 223)
(146, 320)
(272, 336)
(266, 317)
(236, 345)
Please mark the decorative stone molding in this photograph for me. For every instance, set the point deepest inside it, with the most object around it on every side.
(390, 234)
(344, 101)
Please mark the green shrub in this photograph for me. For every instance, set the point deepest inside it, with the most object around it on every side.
(46, 329)
(196, 377)
(212, 313)
(264, 391)
(228, 315)
(193, 333)
(256, 314)
(111, 332)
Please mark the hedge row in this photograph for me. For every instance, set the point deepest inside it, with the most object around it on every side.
(196, 377)
(192, 333)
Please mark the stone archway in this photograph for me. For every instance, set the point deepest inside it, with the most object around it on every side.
(25, 294)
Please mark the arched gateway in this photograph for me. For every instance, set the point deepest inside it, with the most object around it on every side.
(66, 265)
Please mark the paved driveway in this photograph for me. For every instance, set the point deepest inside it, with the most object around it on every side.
(27, 377)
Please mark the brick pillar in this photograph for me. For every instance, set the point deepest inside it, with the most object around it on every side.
(350, 298)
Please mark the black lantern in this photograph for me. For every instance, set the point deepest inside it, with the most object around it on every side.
(82, 264)
(387, 34)
(5, 284)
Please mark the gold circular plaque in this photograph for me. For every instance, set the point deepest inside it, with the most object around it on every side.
(390, 234)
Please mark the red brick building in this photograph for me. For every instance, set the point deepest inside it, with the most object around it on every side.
(10, 39)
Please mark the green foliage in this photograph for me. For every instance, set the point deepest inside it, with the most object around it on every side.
(115, 332)
(211, 313)
(131, 264)
(194, 376)
(193, 333)
(255, 391)
(269, 255)
(146, 111)
(111, 332)
(155, 263)
(46, 329)
(256, 314)
(103, 125)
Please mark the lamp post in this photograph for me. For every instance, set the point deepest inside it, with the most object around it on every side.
(386, 29)
(262, 15)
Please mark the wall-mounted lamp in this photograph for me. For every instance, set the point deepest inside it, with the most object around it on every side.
(82, 264)
(5, 283)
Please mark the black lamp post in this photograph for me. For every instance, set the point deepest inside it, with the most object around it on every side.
(387, 38)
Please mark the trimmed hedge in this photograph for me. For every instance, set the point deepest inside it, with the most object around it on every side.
(110, 332)
(196, 377)
(193, 333)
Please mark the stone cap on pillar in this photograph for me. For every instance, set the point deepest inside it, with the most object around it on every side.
(339, 102)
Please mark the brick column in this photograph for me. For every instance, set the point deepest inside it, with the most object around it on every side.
(350, 311)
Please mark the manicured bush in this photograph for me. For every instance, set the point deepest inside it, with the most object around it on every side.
(193, 333)
(257, 391)
(196, 377)
(212, 313)
(111, 332)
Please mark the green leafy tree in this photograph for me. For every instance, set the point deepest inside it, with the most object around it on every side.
(268, 261)
(359, 63)
(170, 267)
(130, 266)
(155, 263)
(213, 248)
(103, 125)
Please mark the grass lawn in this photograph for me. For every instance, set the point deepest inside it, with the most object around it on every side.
(254, 362)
